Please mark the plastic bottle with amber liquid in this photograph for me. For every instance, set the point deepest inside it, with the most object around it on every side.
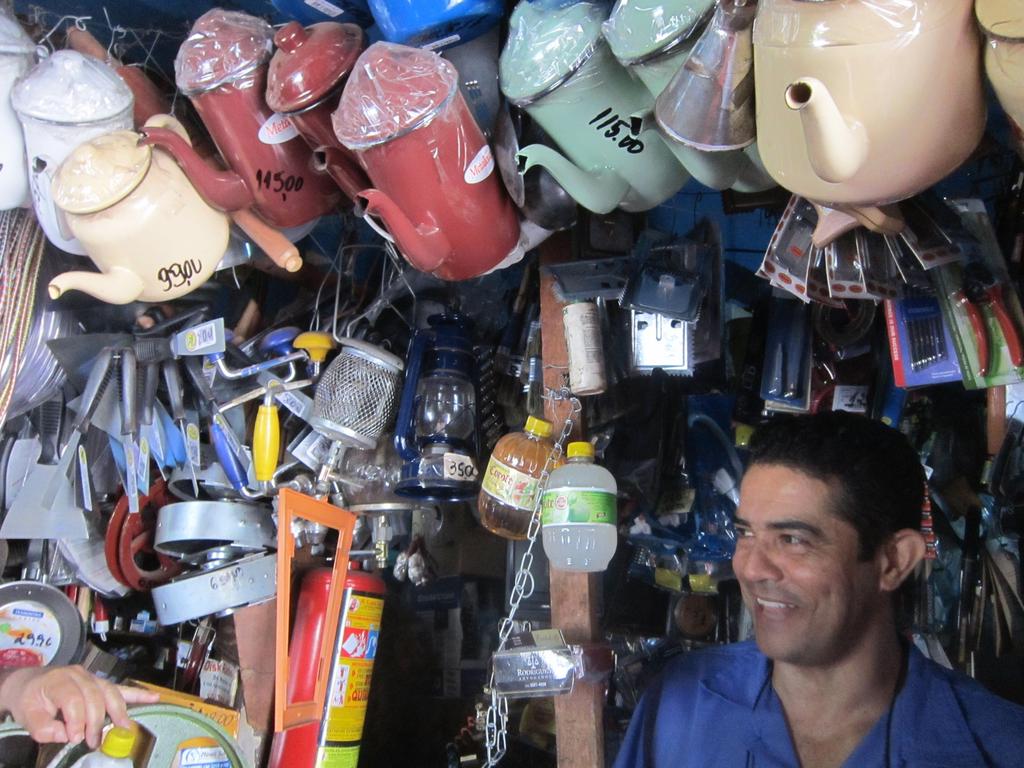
(579, 512)
(508, 490)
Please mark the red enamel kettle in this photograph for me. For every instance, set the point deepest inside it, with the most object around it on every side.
(435, 184)
(222, 68)
(305, 81)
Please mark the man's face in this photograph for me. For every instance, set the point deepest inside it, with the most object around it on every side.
(797, 565)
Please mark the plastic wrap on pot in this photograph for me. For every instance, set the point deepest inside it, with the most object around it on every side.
(392, 90)
(70, 88)
(637, 30)
(546, 46)
(223, 47)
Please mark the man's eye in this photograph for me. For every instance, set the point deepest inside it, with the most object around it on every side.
(744, 533)
(792, 540)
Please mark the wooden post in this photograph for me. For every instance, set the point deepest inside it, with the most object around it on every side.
(575, 597)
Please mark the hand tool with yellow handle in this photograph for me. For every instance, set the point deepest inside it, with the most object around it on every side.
(266, 437)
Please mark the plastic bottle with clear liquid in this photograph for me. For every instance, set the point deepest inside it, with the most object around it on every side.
(509, 486)
(579, 513)
(115, 752)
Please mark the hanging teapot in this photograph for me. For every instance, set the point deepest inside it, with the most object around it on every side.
(305, 80)
(862, 103)
(67, 98)
(1003, 24)
(16, 51)
(435, 185)
(558, 68)
(222, 68)
(653, 41)
(139, 219)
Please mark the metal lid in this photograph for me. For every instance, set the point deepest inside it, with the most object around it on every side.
(310, 62)
(69, 88)
(1001, 18)
(101, 172)
(223, 46)
(546, 46)
(637, 30)
(13, 39)
(393, 89)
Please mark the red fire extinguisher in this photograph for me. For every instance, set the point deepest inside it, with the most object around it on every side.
(337, 736)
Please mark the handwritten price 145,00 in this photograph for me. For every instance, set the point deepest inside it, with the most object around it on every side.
(277, 181)
(612, 126)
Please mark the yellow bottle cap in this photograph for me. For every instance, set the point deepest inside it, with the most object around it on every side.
(538, 426)
(118, 742)
(580, 448)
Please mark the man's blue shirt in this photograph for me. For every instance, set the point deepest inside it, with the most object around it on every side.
(716, 707)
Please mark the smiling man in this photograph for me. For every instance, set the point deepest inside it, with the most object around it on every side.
(827, 532)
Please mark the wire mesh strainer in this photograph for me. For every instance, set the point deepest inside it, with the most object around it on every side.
(357, 396)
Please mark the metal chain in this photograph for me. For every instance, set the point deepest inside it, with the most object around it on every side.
(496, 726)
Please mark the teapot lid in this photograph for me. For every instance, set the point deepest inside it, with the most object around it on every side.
(638, 30)
(101, 172)
(546, 45)
(1001, 18)
(310, 62)
(223, 46)
(393, 89)
(825, 23)
(67, 87)
(13, 39)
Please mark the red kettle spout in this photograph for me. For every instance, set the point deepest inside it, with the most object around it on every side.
(224, 190)
(426, 250)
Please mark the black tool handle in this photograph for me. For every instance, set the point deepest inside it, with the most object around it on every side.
(151, 378)
(99, 377)
(175, 393)
(50, 424)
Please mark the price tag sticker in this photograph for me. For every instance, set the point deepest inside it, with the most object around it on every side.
(131, 476)
(203, 339)
(142, 464)
(192, 443)
(84, 480)
(458, 466)
(312, 450)
(850, 398)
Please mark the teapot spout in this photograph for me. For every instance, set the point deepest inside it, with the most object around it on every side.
(118, 286)
(224, 190)
(598, 191)
(836, 148)
(425, 250)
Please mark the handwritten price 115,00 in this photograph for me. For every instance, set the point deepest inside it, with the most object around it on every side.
(612, 126)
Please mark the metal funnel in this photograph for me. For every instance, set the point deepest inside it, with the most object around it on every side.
(709, 103)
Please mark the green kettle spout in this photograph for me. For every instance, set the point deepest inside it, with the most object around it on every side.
(599, 191)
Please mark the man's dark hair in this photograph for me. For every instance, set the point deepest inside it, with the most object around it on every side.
(878, 474)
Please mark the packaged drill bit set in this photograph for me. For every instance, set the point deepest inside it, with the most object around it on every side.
(920, 340)
(981, 308)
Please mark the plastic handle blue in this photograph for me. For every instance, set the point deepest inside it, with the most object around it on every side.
(229, 462)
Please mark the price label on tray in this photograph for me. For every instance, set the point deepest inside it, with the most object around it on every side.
(458, 466)
(850, 398)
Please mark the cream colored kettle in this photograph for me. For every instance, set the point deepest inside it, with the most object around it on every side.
(139, 219)
(862, 103)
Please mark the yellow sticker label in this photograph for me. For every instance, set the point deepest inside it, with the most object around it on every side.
(337, 757)
(353, 668)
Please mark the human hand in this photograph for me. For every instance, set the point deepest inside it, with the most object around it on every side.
(36, 695)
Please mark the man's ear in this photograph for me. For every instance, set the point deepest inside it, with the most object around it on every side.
(898, 557)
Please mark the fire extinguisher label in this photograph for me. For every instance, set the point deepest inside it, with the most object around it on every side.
(481, 166)
(278, 129)
(337, 757)
(350, 683)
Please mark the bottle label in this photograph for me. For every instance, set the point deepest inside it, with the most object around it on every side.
(576, 505)
(509, 486)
